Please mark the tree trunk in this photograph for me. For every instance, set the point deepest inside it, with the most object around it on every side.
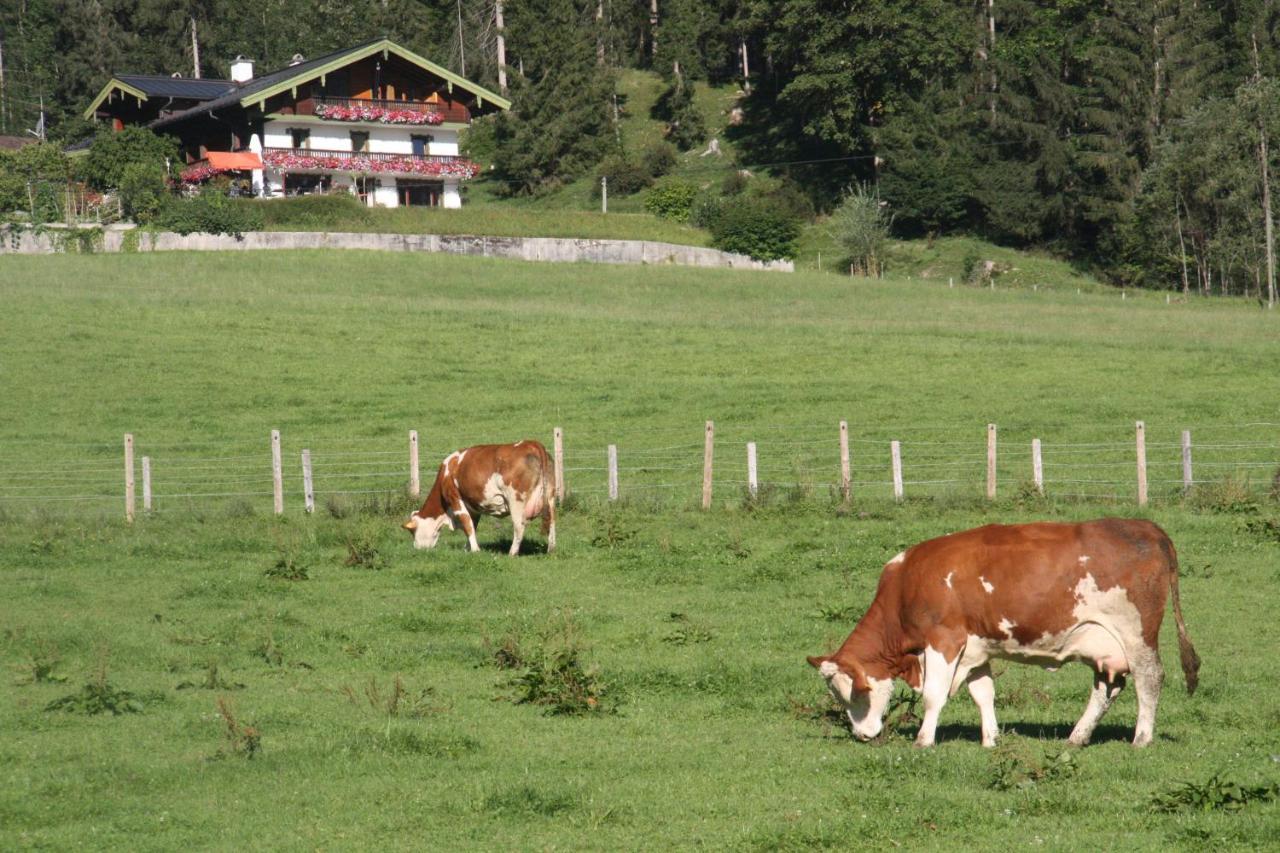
(599, 32)
(653, 28)
(462, 51)
(1182, 246)
(502, 47)
(1266, 205)
(195, 50)
(991, 52)
(746, 69)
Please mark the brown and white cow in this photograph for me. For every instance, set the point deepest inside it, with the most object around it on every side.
(489, 479)
(1040, 593)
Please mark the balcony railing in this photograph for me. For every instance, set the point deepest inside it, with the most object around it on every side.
(384, 111)
(368, 163)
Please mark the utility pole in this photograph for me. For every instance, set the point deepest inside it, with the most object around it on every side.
(4, 102)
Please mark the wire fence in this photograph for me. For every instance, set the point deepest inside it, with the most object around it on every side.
(1122, 464)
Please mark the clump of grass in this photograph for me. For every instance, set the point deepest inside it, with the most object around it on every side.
(1266, 529)
(213, 680)
(833, 613)
(528, 800)
(1013, 767)
(396, 701)
(1215, 794)
(612, 533)
(686, 631)
(398, 740)
(293, 560)
(553, 676)
(267, 649)
(363, 551)
(1230, 495)
(506, 652)
(40, 665)
(239, 739)
(98, 696)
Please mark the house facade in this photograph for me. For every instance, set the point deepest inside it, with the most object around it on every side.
(376, 120)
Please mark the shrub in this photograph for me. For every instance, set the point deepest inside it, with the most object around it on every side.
(685, 126)
(211, 212)
(112, 152)
(671, 200)
(705, 210)
(330, 211)
(658, 159)
(143, 191)
(756, 228)
(626, 177)
(1217, 794)
(860, 226)
(553, 675)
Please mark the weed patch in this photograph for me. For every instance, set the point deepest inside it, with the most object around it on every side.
(528, 800)
(686, 631)
(239, 739)
(395, 701)
(552, 673)
(399, 740)
(212, 680)
(98, 696)
(1215, 794)
(1014, 767)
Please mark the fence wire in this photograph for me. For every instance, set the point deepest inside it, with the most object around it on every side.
(1079, 462)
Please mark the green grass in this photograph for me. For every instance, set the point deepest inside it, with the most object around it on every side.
(713, 732)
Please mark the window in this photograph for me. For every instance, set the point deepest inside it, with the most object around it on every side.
(359, 141)
(421, 144)
(301, 137)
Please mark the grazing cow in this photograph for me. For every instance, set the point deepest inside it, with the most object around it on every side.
(489, 479)
(1038, 593)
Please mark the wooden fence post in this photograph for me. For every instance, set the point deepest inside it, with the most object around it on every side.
(895, 452)
(707, 452)
(753, 485)
(558, 443)
(146, 484)
(1141, 430)
(277, 473)
(308, 494)
(415, 473)
(128, 477)
(1037, 466)
(845, 491)
(613, 472)
(1187, 480)
(991, 462)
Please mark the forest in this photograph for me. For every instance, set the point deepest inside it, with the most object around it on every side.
(1135, 137)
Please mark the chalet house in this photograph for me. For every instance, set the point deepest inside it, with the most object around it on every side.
(376, 119)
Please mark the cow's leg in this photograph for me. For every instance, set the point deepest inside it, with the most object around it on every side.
(1104, 693)
(468, 526)
(549, 521)
(1148, 676)
(936, 686)
(982, 687)
(517, 522)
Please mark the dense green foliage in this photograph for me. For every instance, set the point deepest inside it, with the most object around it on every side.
(112, 153)
(381, 708)
(32, 179)
(210, 212)
(1125, 135)
(860, 227)
(755, 226)
(672, 199)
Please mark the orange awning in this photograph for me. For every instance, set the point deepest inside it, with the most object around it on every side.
(234, 160)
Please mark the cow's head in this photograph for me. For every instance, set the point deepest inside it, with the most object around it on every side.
(426, 531)
(864, 698)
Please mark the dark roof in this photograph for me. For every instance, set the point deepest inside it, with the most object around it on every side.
(257, 84)
(158, 86)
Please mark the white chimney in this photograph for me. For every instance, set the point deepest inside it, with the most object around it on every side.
(241, 69)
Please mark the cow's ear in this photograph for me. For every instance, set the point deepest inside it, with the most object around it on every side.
(412, 523)
(817, 662)
(860, 682)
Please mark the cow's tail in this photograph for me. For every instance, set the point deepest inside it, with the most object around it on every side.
(1190, 660)
(548, 502)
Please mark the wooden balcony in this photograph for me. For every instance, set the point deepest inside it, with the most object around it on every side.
(431, 113)
(314, 160)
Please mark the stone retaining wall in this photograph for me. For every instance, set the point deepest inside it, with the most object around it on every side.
(564, 250)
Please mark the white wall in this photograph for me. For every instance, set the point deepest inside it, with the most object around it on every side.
(336, 136)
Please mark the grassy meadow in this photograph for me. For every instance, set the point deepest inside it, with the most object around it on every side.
(311, 682)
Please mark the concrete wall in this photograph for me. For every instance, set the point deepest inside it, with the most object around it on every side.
(558, 249)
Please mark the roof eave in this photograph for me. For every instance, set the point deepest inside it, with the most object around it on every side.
(112, 85)
(384, 46)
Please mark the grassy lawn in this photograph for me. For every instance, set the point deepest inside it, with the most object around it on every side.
(688, 628)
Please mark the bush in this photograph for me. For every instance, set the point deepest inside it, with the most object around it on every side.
(112, 152)
(211, 212)
(658, 159)
(705, 210)
(334, 211)
(32, 179)
(671, 200)
(861, 227)
(143, 191)
(685, 126)
(757, 228)
(626, 177)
